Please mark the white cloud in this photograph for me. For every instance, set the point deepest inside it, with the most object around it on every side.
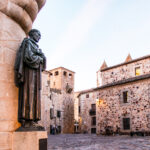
(78, 29)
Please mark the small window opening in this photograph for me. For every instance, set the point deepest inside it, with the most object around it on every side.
(125, 97)
(79, 109)
(59, 129)
(93, 130)
(93, 106)
(65, 73)
(87, 95)
(51, 113)
(56, 73)
(137, 71)
(93, 121)
(58, 113)
(126, 123)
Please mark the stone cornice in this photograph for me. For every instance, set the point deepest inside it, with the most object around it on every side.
(23, 12)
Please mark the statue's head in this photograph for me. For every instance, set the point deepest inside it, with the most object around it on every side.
(35, 35)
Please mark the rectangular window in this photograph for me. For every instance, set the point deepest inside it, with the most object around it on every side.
(92, 111)
(79, 109)
(56, 73)
(125, 97)
(137, 71)
(51, 113)
(93, 130)
(58, 114)
(65, 73)
(93, 106)
(87, 95)
(126, 123)
(59, 129)
(93, 121)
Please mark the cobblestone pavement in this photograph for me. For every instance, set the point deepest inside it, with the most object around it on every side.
(93, 142)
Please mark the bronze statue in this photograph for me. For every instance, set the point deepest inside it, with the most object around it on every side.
(30, 62)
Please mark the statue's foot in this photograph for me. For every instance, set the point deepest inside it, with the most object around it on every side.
(30, 126)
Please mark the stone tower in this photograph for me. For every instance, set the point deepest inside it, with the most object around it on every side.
(99, 75)
(61, 79)
(16, 18)
(62, 83)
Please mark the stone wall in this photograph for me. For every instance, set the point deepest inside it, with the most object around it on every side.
(45, 101)
(111, 110)
(85, 103)
(122, 72)
(55, 97)
(62, 80)
(55, 80)
(16, 18)
(68, 110)
(76, 107)
(119, 102)
(50, 100)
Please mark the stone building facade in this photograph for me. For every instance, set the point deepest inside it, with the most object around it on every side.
(122, 99)
(58, 100)
(123, 71)
(87, 113)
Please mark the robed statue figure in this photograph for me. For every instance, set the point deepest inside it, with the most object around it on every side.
(30, 62)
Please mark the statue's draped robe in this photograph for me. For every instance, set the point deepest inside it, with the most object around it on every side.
(28, 68)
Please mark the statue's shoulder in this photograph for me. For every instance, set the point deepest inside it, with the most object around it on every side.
(26, 40)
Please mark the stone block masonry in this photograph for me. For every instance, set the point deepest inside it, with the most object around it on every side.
(113, 108)
(58, 100)
(16, 18)
(123, 71)
(122, 99)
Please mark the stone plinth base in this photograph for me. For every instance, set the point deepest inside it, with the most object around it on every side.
(5, 141)
(30, 140)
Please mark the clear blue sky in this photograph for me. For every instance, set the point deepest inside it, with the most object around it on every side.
(81, 34)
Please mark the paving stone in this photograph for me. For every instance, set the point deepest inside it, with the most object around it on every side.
(93, 142)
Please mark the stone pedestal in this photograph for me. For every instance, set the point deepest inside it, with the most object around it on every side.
(16, 18)
(30, 140)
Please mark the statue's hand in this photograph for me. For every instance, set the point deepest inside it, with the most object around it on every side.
(41, 53)
(38, 51)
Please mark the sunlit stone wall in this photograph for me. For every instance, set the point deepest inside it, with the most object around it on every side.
(16, 18)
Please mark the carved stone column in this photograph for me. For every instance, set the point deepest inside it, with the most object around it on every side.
(16, 18)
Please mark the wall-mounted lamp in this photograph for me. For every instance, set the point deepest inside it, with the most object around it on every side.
(100, 101)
